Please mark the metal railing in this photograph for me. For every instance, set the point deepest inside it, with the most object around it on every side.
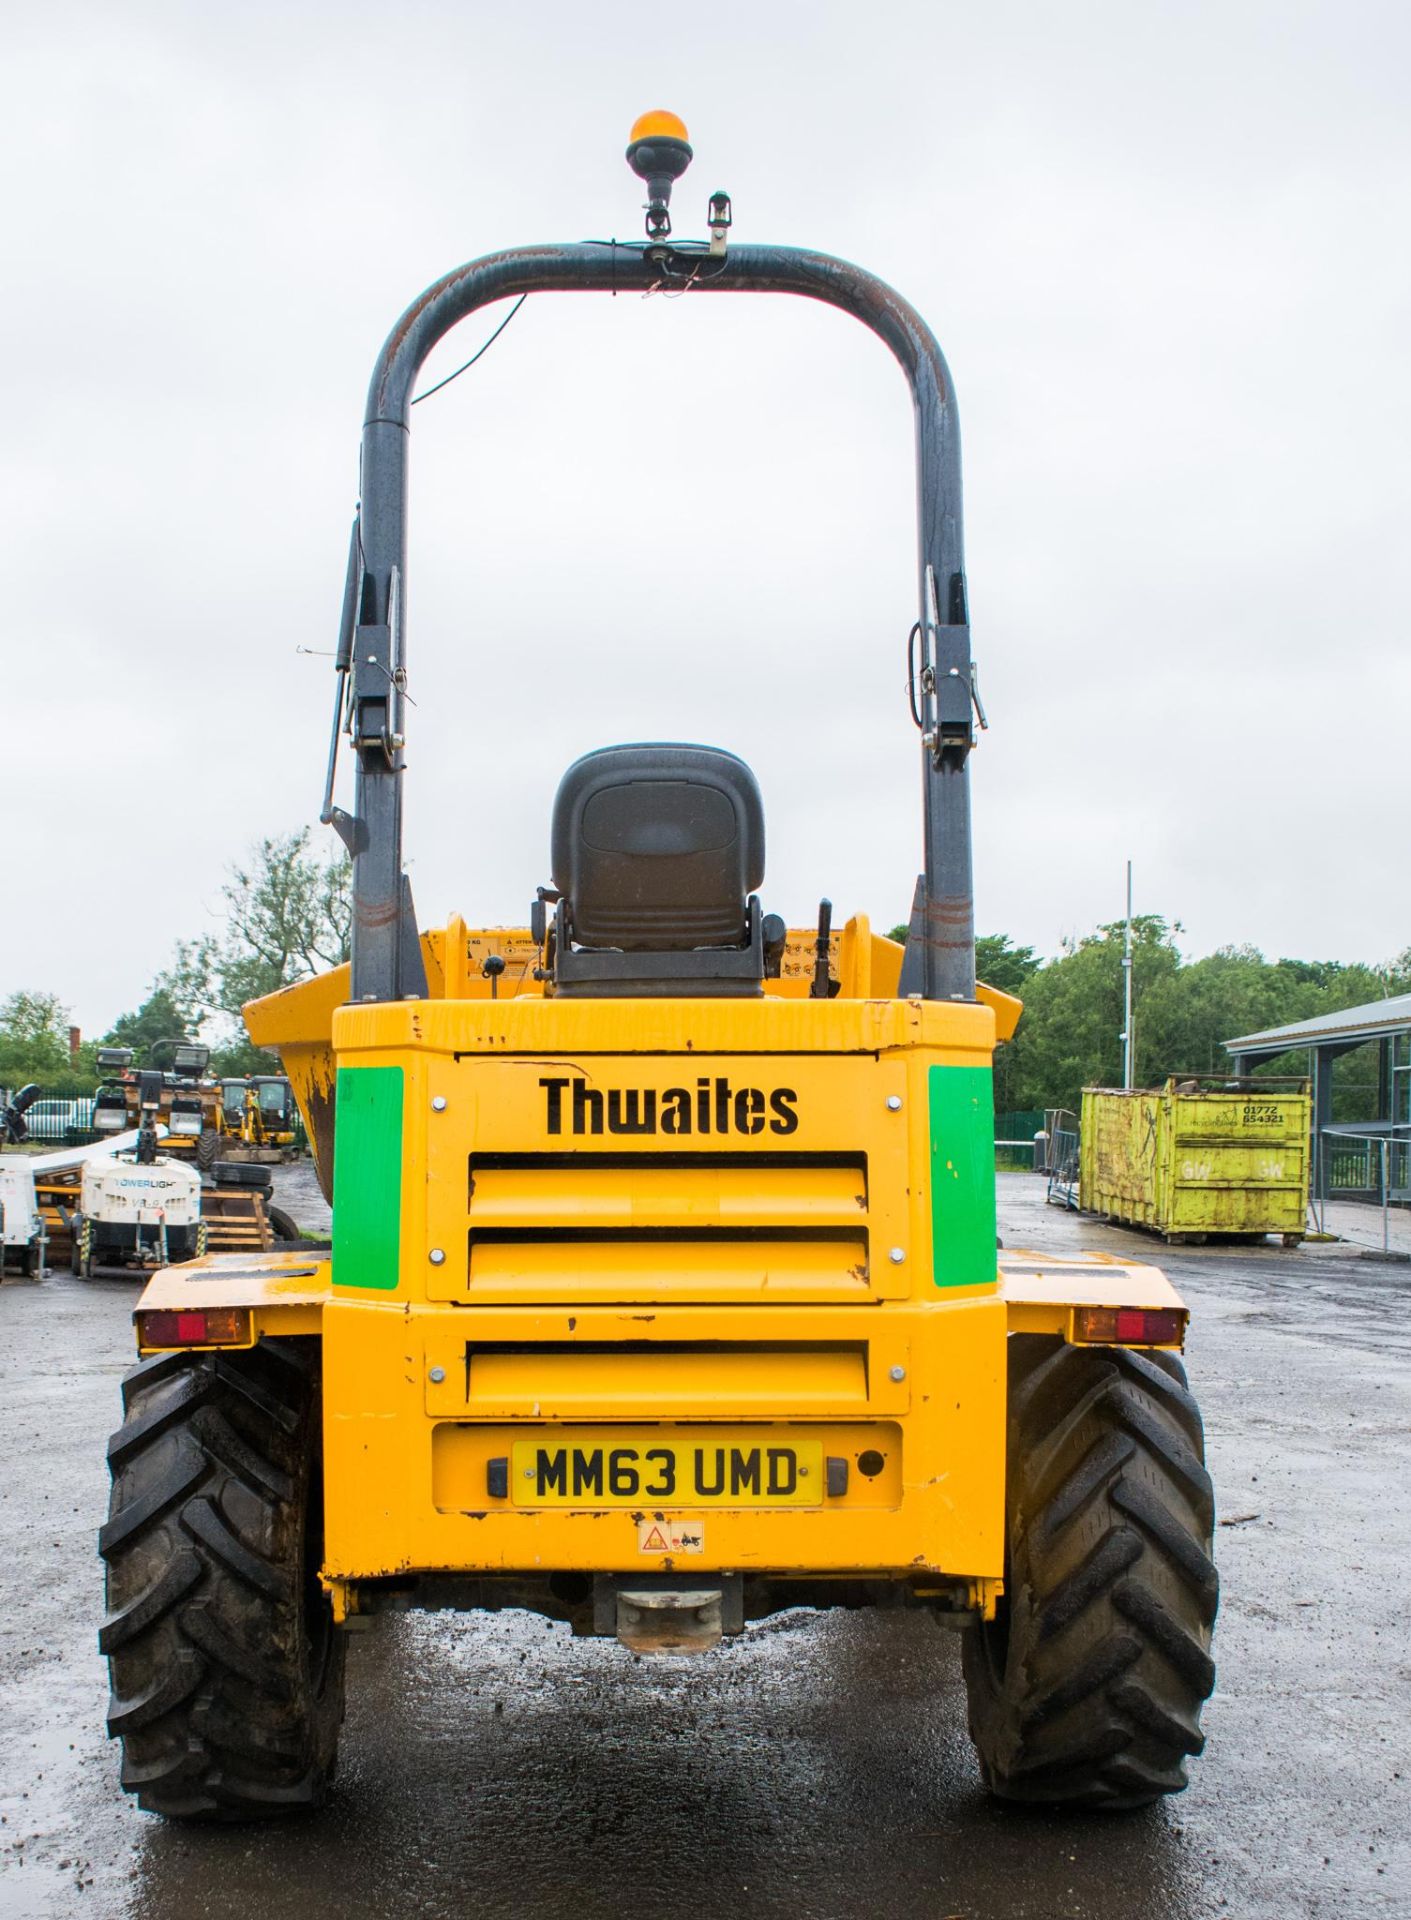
(1019, 1141)
(1061, 1126)
(53, 1121)
(1373, 1168)
(1367, 1165)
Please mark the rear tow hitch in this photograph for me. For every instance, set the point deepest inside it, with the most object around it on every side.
(655, 1613)
(684, 1622)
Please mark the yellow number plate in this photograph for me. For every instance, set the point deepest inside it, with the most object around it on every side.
(678, 1467)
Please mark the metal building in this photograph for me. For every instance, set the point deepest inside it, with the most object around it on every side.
(1325, 1038)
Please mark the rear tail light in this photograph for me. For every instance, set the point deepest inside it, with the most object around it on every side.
(1130, 1326)
(194, 1327)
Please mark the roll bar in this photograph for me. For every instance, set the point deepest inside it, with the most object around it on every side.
(371, 658)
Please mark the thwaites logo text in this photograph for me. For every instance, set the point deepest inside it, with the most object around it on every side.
(711, 1106)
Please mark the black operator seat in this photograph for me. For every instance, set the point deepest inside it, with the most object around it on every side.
(656, 851)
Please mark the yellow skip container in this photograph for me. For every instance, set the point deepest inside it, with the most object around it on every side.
(1198, 1157)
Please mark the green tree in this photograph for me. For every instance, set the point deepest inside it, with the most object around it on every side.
(34, 1037)
(1002, 964)
(1070, 1035)
(1185, 1015)
(34, 1045)
(288, 916)
(160, 1017)
(999, 963)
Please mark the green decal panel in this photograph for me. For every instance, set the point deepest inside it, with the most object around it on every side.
(367, 1178)
(963, 1176)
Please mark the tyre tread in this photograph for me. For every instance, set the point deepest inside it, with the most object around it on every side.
(225, 1708)
(1087, 1691)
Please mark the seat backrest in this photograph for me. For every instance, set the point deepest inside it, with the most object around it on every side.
(658, 847)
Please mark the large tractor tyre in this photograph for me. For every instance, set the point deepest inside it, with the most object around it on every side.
(1085, 1690)
(240, 1173)
(227, 1671)
(284, 1226)
(208, 1143)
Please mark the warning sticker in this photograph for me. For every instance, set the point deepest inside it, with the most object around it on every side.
(670, 1536)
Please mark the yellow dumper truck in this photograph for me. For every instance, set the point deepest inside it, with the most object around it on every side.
(664, 1290)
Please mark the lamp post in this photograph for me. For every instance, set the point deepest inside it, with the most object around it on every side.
(1127, 1053)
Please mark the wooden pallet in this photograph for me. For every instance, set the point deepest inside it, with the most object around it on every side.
(56, 1195)
(236, 1220)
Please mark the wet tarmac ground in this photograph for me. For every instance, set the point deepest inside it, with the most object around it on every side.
(497, 1768)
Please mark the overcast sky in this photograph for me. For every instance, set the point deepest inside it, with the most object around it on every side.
(1164, 249)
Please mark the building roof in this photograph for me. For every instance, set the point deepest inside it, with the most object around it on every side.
(1371, 1022)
